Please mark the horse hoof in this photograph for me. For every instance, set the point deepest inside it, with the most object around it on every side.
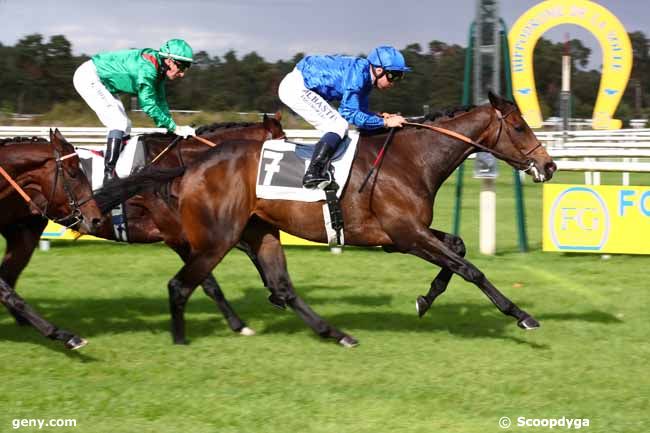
(277, 302)
(182, 342)
(348, 341)
(422, 306)
(528, 323)
(75, 343)
(246, 331)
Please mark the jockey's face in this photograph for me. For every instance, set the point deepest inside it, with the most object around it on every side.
(173, 70)
(383, 82)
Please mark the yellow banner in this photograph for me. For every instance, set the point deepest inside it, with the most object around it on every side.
(596, 219)
(56, 231)
(614, 41)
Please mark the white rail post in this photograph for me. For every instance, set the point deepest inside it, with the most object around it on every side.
(488, 216)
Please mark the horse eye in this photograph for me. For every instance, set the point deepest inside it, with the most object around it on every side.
(519, 128)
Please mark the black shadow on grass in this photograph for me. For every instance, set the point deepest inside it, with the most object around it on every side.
(95, 317)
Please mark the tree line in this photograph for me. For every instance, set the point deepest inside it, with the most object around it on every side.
(37, 74)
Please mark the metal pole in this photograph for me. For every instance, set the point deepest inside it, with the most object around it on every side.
(466, 98)
(519, 193)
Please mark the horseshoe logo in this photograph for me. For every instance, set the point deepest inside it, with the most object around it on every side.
(605, 26)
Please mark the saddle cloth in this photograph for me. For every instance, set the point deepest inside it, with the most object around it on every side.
(131, 159)
(282, 167)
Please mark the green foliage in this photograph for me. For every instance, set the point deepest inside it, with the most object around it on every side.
(37, 75)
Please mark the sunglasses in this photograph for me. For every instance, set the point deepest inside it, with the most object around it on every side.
(182, 66)
(394, 75)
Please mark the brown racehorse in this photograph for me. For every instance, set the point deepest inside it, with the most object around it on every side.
(50, 175)
(218, 207)
(154, 217)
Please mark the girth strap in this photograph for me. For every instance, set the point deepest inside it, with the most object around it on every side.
(332, 208)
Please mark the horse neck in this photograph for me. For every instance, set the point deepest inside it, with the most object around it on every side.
(20, 158)
(442, 154)
(25, 163)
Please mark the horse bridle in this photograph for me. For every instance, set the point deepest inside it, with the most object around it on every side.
(527, 163)
(75, 216)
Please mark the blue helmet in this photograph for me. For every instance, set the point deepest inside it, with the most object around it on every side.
(389, 58)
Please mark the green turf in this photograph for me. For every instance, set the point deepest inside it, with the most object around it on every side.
(459, 369)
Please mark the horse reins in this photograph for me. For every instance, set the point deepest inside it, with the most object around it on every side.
(500, 155)
(176, 140)
(378, 159)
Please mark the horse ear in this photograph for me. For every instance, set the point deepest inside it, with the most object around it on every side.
(51, 135)
(495, 100)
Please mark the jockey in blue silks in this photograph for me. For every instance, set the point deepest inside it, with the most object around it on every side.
(319, 79)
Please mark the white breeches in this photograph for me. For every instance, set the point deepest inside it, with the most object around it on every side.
(108, 108)
(310, 105)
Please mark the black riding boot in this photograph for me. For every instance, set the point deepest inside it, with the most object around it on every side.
(323, 151)
(113, 149)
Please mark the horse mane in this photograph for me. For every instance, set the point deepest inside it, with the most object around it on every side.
(205, 129)
(19, 140)
(224, 125)
(120, 190)
(447, 113)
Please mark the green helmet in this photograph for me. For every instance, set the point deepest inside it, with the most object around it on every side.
(177, 49)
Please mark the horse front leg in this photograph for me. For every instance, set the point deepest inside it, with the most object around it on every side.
(22, 239)
(265, 243)
(424, 244)
(10, 299)
(236, 324)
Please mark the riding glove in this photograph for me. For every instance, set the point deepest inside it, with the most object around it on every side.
(184, 131)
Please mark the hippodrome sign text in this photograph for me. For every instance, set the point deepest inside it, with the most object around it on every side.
(614, 41)
(597, 219)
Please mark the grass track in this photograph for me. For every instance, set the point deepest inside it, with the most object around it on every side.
(459, 369)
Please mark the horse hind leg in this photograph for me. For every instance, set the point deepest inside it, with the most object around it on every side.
(265, 243)
(439, 284)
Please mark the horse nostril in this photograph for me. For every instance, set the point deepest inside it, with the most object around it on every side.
(96, 222)
(550, 167)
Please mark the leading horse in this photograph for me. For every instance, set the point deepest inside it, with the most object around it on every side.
(218, 207)
(49, 175)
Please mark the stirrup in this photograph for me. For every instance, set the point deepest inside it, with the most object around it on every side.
(319, 182)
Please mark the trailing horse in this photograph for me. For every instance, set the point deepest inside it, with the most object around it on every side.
(152, 216)
(40, 180)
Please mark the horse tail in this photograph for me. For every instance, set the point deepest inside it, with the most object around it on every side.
(120, 190)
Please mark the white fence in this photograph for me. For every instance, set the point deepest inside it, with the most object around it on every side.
(592, 152)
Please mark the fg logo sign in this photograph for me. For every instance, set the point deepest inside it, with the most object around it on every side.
(579, 220)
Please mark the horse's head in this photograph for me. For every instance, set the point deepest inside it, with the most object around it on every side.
(71, 200)
(273, 125)
(515, 140)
